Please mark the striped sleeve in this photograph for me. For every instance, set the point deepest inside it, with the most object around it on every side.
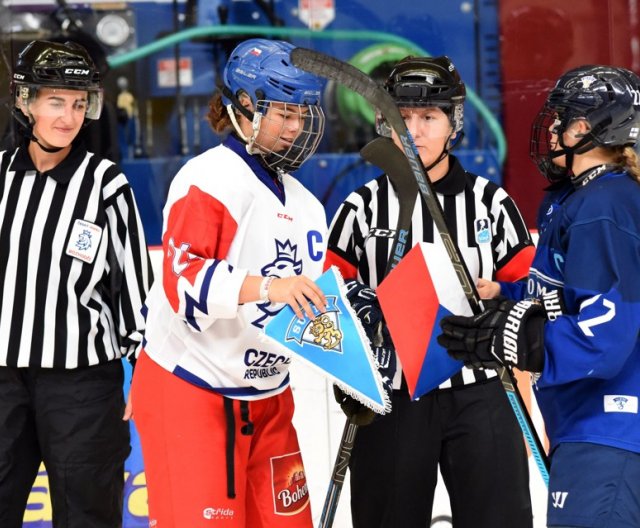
(129, 266)
(513, 247)
(341, 249)
(349, 228)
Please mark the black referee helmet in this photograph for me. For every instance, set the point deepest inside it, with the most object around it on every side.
(427, 81)
(55, 65)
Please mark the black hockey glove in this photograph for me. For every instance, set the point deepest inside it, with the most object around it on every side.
(358, 413)
(506, 333)
(364, 301)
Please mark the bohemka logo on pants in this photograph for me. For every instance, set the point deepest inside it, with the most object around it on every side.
(558, 498)
(290, 491)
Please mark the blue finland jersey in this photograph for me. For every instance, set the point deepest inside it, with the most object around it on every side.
(589, 247)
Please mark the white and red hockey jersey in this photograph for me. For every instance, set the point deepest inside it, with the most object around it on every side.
(227, 217)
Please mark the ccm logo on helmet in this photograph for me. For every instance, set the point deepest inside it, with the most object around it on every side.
(18, 76)
(76, 71)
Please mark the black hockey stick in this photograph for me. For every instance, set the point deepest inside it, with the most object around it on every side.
(354, 79)
(383, 153)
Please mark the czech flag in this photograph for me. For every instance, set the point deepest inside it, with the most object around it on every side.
(334, 343)
(414, 297)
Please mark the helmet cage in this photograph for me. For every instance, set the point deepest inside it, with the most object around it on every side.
(542, 144)
(278, 152)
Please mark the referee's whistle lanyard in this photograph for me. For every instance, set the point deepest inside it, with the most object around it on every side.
(246, 430)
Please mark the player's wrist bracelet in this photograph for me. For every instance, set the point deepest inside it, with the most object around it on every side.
(264, 288)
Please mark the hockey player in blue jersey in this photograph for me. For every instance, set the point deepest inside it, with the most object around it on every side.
(578, 325)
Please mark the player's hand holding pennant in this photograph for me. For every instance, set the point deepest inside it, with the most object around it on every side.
(335, 343)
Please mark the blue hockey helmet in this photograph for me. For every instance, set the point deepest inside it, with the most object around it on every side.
(607, 97)
(262, 69)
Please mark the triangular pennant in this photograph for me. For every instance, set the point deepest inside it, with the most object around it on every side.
(414, 297)
(334, 343)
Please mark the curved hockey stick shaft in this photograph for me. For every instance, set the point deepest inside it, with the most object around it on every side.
(354, 79)
(383, 153)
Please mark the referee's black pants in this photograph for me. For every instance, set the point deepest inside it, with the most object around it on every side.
(71, 420)
(471, 432)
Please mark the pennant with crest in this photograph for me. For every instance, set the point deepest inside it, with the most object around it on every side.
(334, 343)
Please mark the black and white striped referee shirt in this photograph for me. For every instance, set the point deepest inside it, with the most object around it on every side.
(74, 266)
(363, 228)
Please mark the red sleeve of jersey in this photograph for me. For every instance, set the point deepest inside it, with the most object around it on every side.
(199, 229)
(518, 267)
(347, 269)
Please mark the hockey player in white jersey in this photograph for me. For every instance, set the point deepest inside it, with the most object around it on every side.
(241, 239)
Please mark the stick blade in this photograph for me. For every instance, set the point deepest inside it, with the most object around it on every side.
(385, 154)
(347, 75)
(331, 68)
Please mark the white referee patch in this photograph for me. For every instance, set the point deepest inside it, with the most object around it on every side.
(84, 241)
(620, 403)
(482, 227)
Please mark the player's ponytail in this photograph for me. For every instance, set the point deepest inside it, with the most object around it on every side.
(217, 116)
(627, 157)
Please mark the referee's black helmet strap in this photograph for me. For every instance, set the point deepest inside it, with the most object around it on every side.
(427, 81)
(606, 97)
(24, 122)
